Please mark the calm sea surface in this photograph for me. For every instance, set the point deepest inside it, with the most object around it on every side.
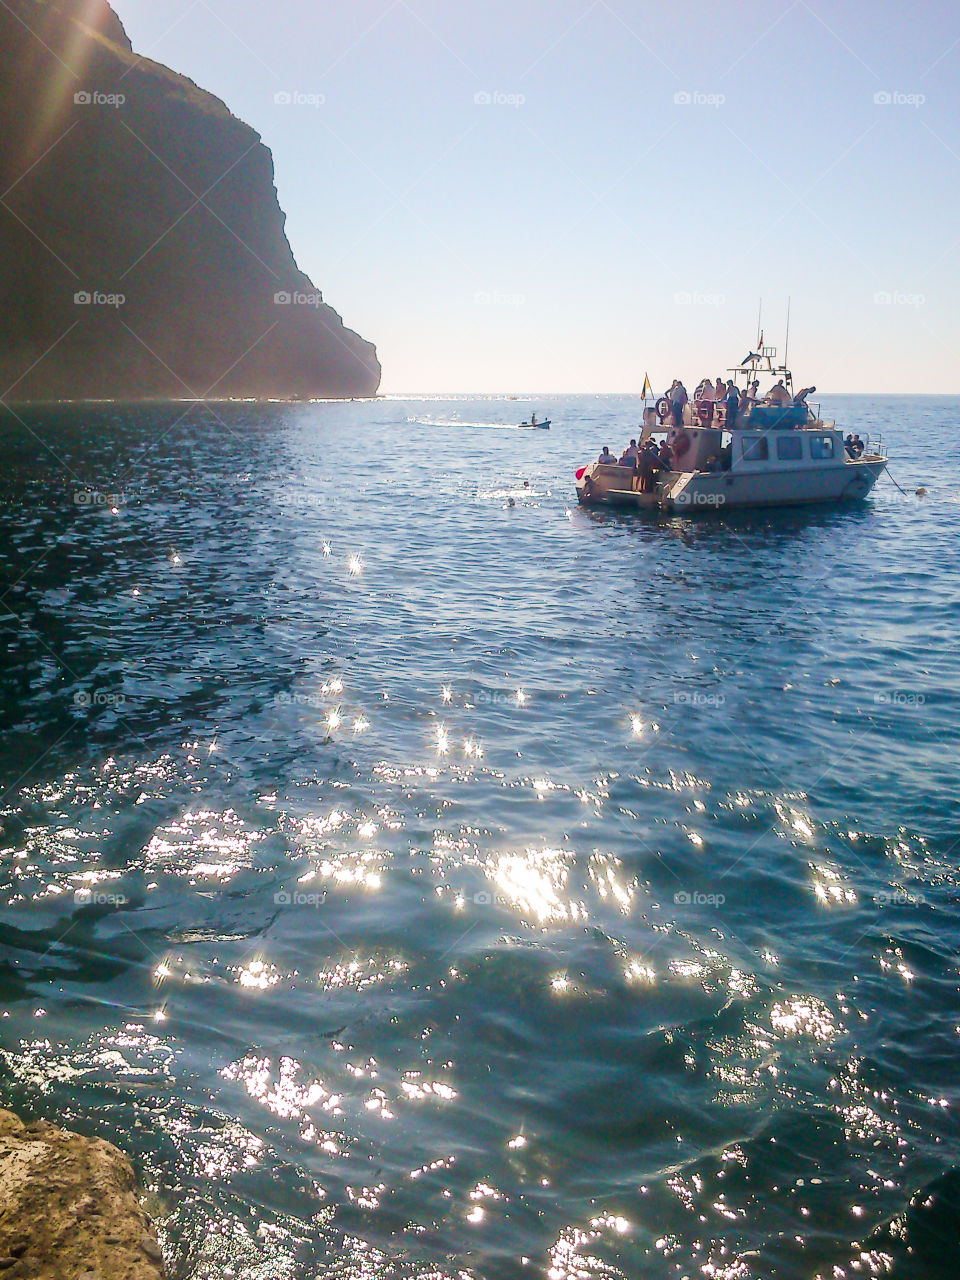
(421, 877)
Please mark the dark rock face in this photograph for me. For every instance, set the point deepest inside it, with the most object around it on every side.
(142, 247)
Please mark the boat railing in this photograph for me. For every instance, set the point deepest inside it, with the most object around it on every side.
(706, 413)
(759, 417)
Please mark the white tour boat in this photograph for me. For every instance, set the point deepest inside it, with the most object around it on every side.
(773, 455)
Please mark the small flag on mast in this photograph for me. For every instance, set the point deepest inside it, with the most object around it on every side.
(647, 389)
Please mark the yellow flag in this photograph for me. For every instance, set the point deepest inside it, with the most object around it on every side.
(647, 389)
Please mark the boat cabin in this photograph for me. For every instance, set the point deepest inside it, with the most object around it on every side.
(753, 448)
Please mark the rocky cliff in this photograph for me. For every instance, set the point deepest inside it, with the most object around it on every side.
(142, 245)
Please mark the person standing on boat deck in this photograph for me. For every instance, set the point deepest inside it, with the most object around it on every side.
(665, 457)
(533, 419)
(678, 398)
(668, 396)
(718, 394)
(703, 401)
(629, 456)
(801, 396)
(647, 466)
(733, 403)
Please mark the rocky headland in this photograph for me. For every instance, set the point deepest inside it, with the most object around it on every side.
(142, 245)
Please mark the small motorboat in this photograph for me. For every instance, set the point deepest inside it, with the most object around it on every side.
(534, 425)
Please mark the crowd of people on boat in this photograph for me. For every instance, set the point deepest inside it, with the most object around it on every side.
(737, 402)
(646, 461)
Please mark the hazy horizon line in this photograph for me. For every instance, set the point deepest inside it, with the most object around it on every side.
(12, 404)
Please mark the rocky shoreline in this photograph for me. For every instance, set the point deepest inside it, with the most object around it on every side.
(69, 1209)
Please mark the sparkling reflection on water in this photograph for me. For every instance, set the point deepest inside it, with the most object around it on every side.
(421, 877)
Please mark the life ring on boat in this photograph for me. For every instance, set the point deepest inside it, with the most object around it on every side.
(663, 408)
(680, 444)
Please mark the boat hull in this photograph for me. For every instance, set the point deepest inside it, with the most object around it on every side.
(694, 492)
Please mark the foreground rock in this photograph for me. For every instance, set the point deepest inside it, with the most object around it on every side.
(142, 246)
(68, 1208)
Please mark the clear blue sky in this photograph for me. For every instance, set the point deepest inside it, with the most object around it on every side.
(584, 225)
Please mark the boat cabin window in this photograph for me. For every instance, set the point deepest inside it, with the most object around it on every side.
(755, 450)
(822, 446)
(789, 448)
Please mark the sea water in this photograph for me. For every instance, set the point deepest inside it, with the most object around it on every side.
(421, 876)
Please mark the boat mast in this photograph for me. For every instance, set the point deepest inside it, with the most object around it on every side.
(786, 349)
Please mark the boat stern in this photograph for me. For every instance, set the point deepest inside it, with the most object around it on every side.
(612, 486)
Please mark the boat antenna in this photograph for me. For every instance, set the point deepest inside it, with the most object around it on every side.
(786, 341)
(759, 330)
